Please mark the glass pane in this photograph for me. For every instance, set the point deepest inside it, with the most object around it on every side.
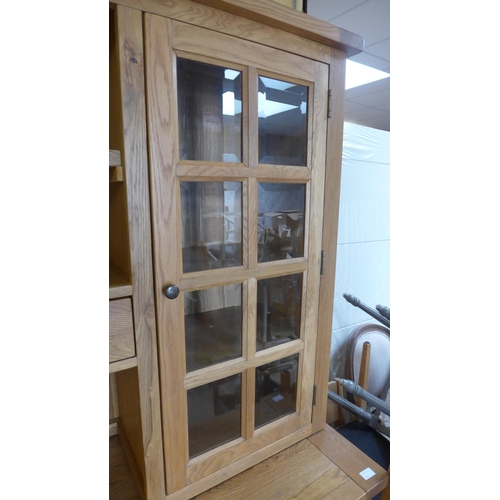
(275, 390)
(209, 102)
(282, 122)
(212, 322)
(211, 225)
(279, 302)
(281, 221)
(214, 414)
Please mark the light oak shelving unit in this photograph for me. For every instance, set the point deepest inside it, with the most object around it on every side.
(168, 295)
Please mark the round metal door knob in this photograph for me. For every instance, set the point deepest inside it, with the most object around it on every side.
(171, 292)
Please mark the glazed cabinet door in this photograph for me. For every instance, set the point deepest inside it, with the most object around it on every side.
(237, 137)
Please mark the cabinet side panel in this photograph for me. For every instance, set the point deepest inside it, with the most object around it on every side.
(329, 242)
(130, 418)
(146, 399)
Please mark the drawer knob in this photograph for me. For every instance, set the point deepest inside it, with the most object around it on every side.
(171, 292)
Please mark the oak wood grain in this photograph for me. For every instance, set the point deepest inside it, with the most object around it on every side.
(237, 26)
(195, 171)
(300, 472)
(234, 50)
(334, 141)
(165, 210)
(142, 419)
(123, 364)
(279, 16)
(115, 157)
(121, 481)
(121, 330)
(350, 460)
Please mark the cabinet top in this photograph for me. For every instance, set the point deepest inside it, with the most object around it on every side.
(270, 13)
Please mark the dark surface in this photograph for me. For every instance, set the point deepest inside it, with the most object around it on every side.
(369, 441)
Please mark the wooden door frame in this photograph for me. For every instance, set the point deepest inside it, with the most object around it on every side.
(180, 471)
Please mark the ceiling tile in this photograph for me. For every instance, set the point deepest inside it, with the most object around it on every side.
(328, 9)
(369, 88)
(364, 113)
(381, 49)
(374, 100)
(372, 61)
(350, 106)
(367, 105)
(369, 20)
(382, 122)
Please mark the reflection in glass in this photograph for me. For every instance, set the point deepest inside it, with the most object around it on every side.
(211, 225)
(214, 414)
(282, 108)
(209, 102)
(212, 322)
(275, 390)
(281, 221)
(279, 302)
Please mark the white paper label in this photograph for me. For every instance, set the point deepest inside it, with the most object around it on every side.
(367, 473)
(277, 398)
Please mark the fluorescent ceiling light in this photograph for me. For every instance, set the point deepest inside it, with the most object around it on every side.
(269, 108)
(358, 74)
(231, 74)
(230, 105)
(276, 84)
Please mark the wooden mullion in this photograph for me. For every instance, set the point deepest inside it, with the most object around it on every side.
(248, 404)
(191, 170)
(253, 118)
(253, 221)
(252, 319)
(225, 369)
(233, 275)
(278, 352)
(245, 223)
(283, 267)
(246, 120)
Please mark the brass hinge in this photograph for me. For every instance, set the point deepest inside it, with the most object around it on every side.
(330, 103)
(315, 389)
(322, 266)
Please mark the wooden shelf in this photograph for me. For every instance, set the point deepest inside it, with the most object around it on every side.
(115, 174)
(123, 364)
(119, 283)
(115, 166)
(115, 158)
(123, 473)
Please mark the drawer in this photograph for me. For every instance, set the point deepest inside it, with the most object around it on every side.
(121, 330)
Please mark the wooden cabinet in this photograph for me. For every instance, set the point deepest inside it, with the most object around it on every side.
(225, 149)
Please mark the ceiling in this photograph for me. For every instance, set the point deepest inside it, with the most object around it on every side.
(369, 104)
